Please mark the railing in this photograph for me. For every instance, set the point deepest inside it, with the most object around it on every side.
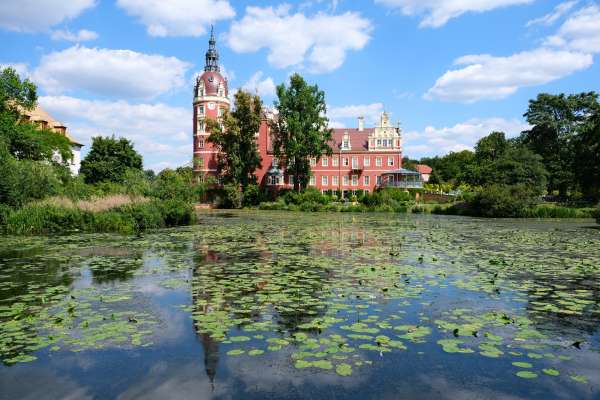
(404, 184)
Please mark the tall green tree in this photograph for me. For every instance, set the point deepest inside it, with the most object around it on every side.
(491, 147)
(556, 121)
(587, 153)
(300, 131)
(454, 167)
(24, 140)
(15, 92)
(234, 135)
(109, 160)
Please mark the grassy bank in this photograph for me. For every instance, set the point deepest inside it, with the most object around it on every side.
(120, 214)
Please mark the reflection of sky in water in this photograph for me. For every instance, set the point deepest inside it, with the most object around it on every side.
(158, 270)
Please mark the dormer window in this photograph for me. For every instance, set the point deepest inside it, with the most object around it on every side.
(346, 142)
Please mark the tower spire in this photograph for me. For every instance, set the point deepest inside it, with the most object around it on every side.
(212, 55)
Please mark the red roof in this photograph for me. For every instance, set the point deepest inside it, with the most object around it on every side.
(424, 169)
(359, 141)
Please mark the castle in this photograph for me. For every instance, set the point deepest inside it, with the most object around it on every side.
(363, 158)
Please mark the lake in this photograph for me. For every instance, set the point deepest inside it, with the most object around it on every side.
(268, 305)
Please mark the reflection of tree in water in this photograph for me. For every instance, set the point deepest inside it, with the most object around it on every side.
(25, 285)
(570, 310)
(112, 264)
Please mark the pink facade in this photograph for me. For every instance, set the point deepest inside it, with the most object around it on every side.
(361, 156)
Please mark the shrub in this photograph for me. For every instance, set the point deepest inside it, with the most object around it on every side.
(24, 181)
(230, 196)
(177, 213)
(500, 201)
(252, 196)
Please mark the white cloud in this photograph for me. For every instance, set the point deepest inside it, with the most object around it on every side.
(321, 41)
(462, 136)
(488, 77)
(438, 12)
(580, 32)
(161, 133)
(82, 35)
(556, 13)
(121, 73)
(264, 87)
(39, 15)
(177, 17)
(371, 112)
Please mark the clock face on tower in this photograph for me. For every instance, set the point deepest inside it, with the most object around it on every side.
(211, 106)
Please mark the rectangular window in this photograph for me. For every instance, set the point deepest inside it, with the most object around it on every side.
(346, 144)
(274, 180)
(201, 109)
(367, 161)
(346, 180)
(390, 161)
(345, 161)
(221, 111)
(325, 161)
(324, 180)
(378, 161)
(201, 125)
(334, 180)
(379, 180)
(312, 181)
(355, 162)
(378, 142)
(336, 161)
(313, 162)
(291, 180)
(201, 143)
(275, 162)
(367, 180)
(200, 162)
(354, 180)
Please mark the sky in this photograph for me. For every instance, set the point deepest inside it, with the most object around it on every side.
(450, 71)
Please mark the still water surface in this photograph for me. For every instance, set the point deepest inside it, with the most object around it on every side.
(261, 305)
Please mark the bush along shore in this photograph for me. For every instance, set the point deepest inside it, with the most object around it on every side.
(134, 217)
(499, 203)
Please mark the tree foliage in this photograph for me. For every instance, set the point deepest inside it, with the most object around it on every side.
(235, 137)
(300, 130)
(15, 92)
(109, 160)
(24, 140)
(557, 121)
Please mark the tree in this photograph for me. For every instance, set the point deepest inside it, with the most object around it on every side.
(491, 147)
(235, 137)
(109, 159)
(15, 93)
(300, 130)
(587, 153)
(23, 140)
(454, 168)
(517, 166)
(556, 121)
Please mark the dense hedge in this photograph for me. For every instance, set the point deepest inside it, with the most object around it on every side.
(43, 218)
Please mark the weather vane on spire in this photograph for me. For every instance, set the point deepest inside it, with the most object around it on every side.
(212, 55)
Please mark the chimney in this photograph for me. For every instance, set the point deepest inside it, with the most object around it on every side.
(361, 124)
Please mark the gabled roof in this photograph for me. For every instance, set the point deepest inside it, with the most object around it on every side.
(424, 169)
(39, 114)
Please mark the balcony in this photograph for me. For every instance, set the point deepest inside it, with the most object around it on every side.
(404, 185)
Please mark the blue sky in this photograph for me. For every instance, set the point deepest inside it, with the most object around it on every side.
(450, 71)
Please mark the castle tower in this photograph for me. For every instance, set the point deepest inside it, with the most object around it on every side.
(210, 102)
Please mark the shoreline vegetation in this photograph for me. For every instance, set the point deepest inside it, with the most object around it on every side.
(397, 201)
